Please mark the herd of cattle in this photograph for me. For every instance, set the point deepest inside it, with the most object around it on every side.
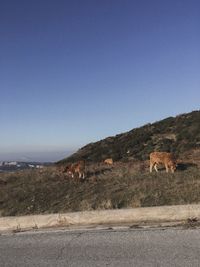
(77, 169)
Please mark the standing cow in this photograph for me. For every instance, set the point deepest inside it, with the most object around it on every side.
(77, 168)
(165, 158)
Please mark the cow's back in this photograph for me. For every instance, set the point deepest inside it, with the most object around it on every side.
(108, 161)
(161, 157)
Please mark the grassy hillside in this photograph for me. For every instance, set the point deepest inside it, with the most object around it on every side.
(174, 134)
(124, 185)
(127, 183)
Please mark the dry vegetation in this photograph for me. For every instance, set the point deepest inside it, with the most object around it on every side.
(123, 185)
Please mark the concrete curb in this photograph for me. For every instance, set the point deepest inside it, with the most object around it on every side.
(160, 214)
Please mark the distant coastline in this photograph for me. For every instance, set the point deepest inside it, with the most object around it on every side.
(12, 166)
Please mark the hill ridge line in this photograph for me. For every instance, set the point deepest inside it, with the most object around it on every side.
(173, 134)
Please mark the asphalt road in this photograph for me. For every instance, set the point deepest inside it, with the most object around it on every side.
(160, 247)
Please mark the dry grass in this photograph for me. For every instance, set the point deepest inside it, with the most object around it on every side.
(120, 186)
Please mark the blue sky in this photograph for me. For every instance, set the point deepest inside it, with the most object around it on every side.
(74, 72)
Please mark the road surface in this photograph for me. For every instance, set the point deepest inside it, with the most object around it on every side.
(117, 248)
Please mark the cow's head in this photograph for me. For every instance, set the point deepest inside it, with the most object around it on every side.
(70, 171)
(173, 166)
(67, 170)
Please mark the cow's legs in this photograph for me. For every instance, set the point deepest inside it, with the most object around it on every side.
(151, 166)
(155, 167)
(167, 168)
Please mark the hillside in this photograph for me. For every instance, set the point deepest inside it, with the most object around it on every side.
(125, 184)
(178, 134)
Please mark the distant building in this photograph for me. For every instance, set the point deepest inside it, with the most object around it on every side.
(31, 166)
(12, 163)
(39, 166)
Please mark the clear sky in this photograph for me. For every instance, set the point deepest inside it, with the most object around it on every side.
(74, 72)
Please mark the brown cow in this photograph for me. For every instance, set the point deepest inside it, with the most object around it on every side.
(76, 168)
(108, 161)
(165, 158)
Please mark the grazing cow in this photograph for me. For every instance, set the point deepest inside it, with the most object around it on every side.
(165, 158)
(76, 168)
(108, 161)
